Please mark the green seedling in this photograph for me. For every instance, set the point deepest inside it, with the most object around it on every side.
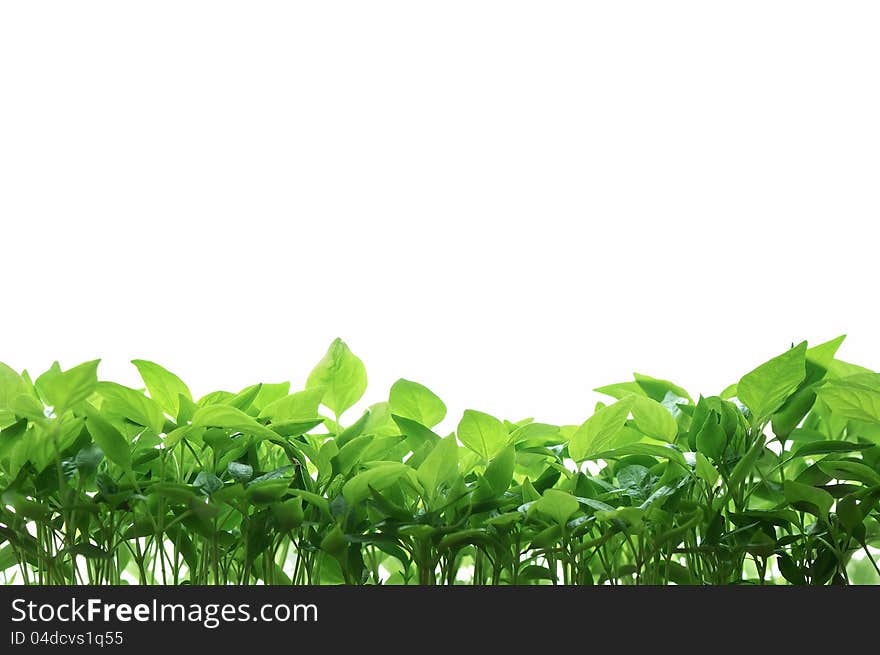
(776, 480)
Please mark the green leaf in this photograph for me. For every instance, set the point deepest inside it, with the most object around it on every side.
(653, 419)
(288, 515)
(8, 557)
(807, 498)
(828, 448)
(622, 390)
(265, 491)
(245, 398)
(186, 409)
(705, 471)
(379, 478)
(11, 386)
(342, 376)
(297, 406)
(793, 410)
(630, 518)
(415, 401)
(557, 504)
(334, 542)
(240, 472)
(17, 398)
(295, 428)
(416, 433)
(823, 354)
(88, 458)
(118, 400)
(599, 432)
(764, 389)
(108, 439)
(657, 389)
(841, 369)
(746, 464)
(712, 439)
(354, 430)
(380, 422)
(440, 465)
(846, 470)
(40, 382)
(215, 398)
(72, 386)
(27, 508)
(649, 449)
(275, 474)
(207, 482)
(313, 499)
(482, 433)
(529, 493)
(349, 455)
(856, 397)
(499, 473)
(163, 385)
(269, 393)
(223, 416)
(536, 572)
(536, 433)
(790, 570)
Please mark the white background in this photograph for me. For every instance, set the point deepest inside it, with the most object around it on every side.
(511, 202)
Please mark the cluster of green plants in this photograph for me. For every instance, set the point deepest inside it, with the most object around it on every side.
(775, 480)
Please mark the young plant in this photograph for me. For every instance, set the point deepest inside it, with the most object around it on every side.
(776, 480)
